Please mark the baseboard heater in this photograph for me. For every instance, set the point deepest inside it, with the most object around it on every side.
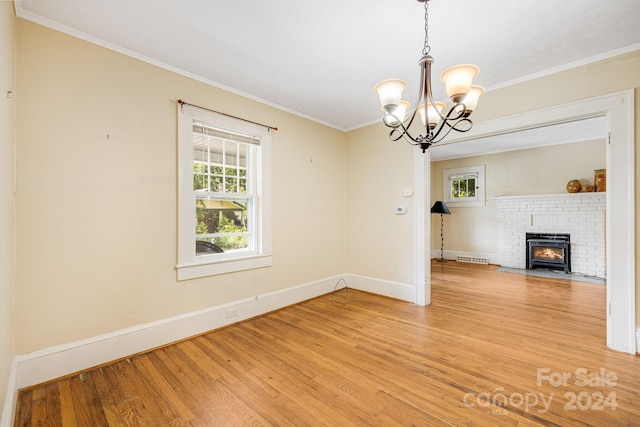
(472, 259)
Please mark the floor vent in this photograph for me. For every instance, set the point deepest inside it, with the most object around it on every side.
(472, 260)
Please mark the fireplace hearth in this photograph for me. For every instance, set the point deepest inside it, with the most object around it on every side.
(552, 251)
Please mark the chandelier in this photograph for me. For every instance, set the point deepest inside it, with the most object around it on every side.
(437, 121)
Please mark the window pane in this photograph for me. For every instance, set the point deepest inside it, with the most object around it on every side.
(199, 179)
(463, 188)
(219, 166)
(218, 161)
(471, 185)
(222, 223)
(231, 185)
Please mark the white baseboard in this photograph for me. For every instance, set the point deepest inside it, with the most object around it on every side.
(11, 398)
(638, 341)
(54, 362)
(387, 288)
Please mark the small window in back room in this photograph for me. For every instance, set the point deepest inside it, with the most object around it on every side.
(464, 186)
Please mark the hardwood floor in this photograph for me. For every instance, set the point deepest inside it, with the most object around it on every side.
(492, 349)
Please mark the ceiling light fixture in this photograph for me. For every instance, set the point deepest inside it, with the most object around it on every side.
(457, 80)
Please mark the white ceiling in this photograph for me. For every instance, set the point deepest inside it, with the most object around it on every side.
(321, 58)
(578, 130)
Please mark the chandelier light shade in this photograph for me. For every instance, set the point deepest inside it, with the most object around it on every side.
(438, 120)
(471, 100)
(457, 80)
(432, 114)
(400, 112)
(390, 93)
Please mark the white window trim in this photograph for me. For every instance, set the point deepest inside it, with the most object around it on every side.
(448, 174)
(188, 266)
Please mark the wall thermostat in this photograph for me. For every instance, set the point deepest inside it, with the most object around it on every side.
(400, 210)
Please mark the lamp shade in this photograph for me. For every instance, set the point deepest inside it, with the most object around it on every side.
(432, 114)
(457, 80)
(471, 100)
(440, 208)
(399, 113)
(390, 93)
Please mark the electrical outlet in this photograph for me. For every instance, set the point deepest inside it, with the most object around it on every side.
(232, 312)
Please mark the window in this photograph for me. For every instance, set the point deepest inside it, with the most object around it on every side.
(224, 194)
(464, 186)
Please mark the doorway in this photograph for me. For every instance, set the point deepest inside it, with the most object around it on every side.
(617, 110)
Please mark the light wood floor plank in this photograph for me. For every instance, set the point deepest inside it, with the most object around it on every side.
(52, 405)
(67, 414)
(481, 354)
(200, 385)
(86, 406)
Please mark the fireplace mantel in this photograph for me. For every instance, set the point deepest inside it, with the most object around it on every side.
(582, 215)
(600, 194)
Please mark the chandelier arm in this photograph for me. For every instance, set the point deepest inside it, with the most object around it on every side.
(448, 127)
(409, 121)
(414, 109)
(446, 121)
(437, 137)
(389, 119)
(399, 131)
(460, 107)
(409, 140)
(392, 121)
(427, 94)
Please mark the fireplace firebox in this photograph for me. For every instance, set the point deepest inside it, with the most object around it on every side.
(552, 251)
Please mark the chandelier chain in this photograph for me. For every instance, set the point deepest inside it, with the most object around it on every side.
(427, 48)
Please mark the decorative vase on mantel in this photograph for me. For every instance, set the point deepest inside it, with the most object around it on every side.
(600, 179)
(573, 186)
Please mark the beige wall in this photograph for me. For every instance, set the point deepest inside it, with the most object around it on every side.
(380, 243)
(7, 64)
(544, 170)
(96, 232)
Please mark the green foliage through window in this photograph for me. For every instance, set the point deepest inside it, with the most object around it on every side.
(463, 187)
(222, 222)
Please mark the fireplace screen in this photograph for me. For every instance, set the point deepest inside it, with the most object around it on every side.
(545, 253)
(549, 251)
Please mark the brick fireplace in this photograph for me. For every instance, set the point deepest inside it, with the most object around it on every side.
(580, 215)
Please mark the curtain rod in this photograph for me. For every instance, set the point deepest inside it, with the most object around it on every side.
(181, 102)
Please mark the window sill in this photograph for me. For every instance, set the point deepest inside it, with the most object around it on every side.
(196, 270)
